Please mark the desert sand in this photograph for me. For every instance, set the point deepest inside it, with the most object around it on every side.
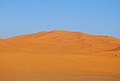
(60, 55)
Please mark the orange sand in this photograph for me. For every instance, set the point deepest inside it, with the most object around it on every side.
(60, 56)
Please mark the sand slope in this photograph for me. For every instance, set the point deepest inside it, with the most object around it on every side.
(59, 38)
(60, 56)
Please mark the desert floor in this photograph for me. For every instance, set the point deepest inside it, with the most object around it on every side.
(46, 66)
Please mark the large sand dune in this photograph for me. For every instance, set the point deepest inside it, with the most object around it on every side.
(60, 56)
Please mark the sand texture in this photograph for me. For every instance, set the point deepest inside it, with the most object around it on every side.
(60, 55)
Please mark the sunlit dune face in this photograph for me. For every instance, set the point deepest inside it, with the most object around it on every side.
(63, 40)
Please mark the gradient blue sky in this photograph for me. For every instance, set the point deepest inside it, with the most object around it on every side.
(101, 17)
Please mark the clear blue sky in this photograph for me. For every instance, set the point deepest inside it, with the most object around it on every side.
(101, 17)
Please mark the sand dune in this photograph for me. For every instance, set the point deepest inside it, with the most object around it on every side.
(60, 55)
(64, 39)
